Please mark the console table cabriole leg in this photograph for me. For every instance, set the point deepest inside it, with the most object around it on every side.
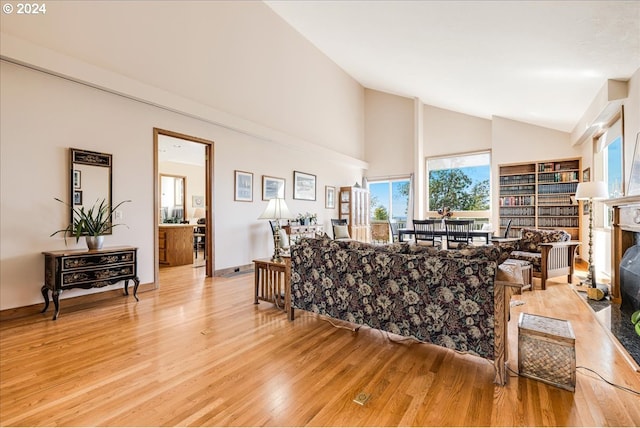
(136, 280)
(45, 294)
(126, 287)
(56, 297)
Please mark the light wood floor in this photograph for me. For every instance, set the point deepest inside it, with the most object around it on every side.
(198, 352)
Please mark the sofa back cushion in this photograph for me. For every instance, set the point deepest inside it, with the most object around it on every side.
(532, 238)
(446, 298)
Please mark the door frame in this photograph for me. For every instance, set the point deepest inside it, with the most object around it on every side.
(209, 191)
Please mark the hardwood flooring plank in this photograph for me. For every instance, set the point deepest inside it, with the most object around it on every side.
(198, 352)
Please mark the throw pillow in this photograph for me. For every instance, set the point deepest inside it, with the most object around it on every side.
(284, 239)
(341, 232)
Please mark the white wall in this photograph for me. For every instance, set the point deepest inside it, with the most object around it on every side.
(317, 131)
(389, 130)
(447, 132)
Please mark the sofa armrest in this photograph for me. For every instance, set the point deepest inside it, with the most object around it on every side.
(503, 240)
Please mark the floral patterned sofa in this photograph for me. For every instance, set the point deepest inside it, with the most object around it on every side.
(550, 252)
(445, 297)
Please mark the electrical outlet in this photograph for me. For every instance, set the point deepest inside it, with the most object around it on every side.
(117, 215)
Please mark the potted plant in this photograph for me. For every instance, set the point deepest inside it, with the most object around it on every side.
(635, 320)
(93, 223)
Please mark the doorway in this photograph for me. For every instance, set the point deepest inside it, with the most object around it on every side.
(185, 209)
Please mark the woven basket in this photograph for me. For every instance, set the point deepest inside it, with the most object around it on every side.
(546, 350)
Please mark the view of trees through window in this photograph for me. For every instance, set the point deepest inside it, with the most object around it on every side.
(389, 199)
(461, 183)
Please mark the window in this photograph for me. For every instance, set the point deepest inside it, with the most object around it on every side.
(460, 182)
(389, 199)
(609, 164)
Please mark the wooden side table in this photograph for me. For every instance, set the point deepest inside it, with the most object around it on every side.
(273, 283)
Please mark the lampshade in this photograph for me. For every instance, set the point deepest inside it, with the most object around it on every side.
(198, 213)
(592, 190)
(276, 210)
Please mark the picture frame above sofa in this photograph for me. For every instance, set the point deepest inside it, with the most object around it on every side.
(304, 186)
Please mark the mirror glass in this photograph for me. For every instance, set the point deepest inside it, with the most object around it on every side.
(172, 198)
(90, 179)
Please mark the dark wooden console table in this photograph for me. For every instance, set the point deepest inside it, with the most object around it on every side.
(64, 270)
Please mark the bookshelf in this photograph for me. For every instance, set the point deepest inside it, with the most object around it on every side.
(354, 207)
(540, 195)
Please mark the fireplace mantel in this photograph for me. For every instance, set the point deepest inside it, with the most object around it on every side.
(626, 222)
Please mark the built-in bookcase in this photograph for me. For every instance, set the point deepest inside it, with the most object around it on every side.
(540, 195)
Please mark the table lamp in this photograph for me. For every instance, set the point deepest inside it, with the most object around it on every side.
(590, 191)
(276, 210)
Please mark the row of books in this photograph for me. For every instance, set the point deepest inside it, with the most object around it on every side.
(518, 222)
(555, 200)
(558, 222)
(558, 177)
(517, 200)
(517, 211)
(517, 179)
(518, 190)
(558, 211)
(558, 188)
(556, 166)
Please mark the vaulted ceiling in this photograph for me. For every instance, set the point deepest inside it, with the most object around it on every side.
(540, 62)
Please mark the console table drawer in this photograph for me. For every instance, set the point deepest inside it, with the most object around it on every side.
(97, 277)
(86, 261)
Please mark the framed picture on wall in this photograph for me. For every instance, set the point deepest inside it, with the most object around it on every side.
(586, 174)
(77, 175)
(304, 186)
(197, 201)
(329, 197)
(272, 187)
(243, 186)
(77, 197)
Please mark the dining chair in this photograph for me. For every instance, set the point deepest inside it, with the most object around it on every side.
(458, 232)
(393, 227)
(424, 232)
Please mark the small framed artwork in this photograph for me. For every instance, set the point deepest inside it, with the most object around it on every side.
(243, 186)
(272, 187)
(77, 175)
(77, 197)
(304, 186)
(586, 175)
(197, 201)
(585, 207)
(329, 197)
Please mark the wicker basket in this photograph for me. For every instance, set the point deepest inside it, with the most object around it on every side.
(546, 350)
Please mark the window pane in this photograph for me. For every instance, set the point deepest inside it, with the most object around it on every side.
(461, 183)
(400, 200)
(613, 156)
(379, 194)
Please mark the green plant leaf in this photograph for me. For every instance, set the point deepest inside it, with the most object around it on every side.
(638, 329)
(635, 317)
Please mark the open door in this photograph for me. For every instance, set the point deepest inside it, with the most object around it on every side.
(180, 207)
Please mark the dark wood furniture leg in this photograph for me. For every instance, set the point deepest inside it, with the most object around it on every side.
(45, 294)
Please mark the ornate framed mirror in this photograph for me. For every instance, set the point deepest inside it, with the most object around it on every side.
(90, 179)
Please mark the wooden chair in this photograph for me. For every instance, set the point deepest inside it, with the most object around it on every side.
(458, 232)
(393, 227)
(340, 228)
(424, 232)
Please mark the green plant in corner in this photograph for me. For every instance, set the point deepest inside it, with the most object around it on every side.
(635, 320)
(95, 221)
